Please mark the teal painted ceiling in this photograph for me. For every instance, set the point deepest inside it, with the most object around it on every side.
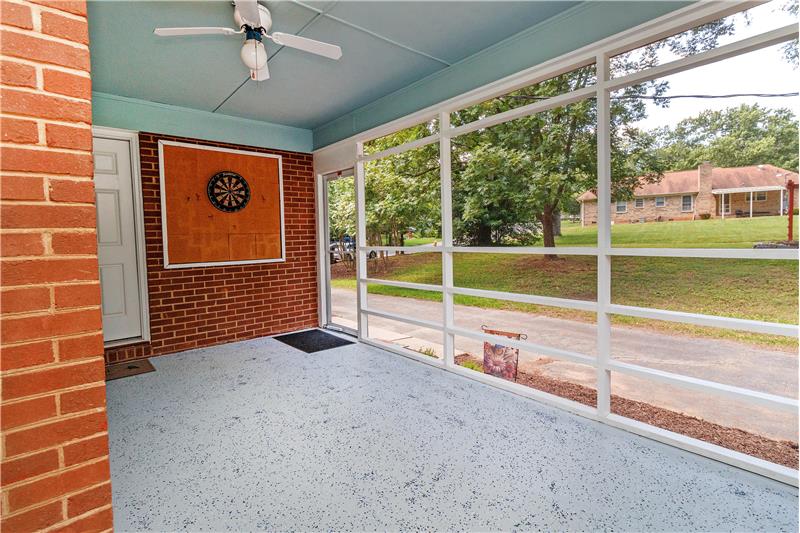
(386, 46)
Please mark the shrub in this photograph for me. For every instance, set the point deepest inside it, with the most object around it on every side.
(705, 216)
(472, 365)
(430, 352)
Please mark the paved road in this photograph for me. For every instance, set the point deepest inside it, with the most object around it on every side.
(728, 362)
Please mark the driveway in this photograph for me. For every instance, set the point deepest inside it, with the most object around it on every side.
(724, 361)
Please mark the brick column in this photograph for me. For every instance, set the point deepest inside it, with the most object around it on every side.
(55, 471)
(705, 201)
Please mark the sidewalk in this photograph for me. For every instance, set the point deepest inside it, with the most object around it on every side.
(728, 362)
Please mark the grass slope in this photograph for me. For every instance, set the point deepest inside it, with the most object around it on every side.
(751, 289)
(715, 233)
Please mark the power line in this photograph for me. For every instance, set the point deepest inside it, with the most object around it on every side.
(733, 95)
(666, 97)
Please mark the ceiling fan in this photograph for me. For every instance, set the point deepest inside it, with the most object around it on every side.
(254, 21)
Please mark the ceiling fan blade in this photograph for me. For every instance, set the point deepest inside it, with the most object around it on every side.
(172, 32)
(248, 10)
(330, 51)
(260, 75)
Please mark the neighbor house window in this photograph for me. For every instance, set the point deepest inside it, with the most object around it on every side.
(661, 201)
(638, 203)
(761, 196)
(622, 206)
(726, 203)
(687, 202)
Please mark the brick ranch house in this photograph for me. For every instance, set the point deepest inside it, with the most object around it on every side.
(758, 190)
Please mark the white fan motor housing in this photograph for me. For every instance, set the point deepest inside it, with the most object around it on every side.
(266, 18)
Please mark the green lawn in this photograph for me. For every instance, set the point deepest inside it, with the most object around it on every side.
(752, 289)
(715, 233)
(419, 241)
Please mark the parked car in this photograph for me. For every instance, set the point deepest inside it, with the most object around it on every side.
(348, 252)
(337, 253)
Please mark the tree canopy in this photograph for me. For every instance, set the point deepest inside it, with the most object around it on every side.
(733, 137)
(511, 181)
(402, 191)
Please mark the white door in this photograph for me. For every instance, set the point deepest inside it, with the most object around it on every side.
(116, 240)
(340, 224)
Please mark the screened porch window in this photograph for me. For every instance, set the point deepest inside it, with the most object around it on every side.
(760, 196)
(726, 203)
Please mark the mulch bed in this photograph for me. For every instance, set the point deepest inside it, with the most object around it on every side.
(782, 452)
(386, 266)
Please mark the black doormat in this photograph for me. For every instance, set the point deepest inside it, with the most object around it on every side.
(131, 368)
(312, 340)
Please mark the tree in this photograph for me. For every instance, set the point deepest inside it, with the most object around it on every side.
(734, 137)
(402, 191)
(342, 217)
(790, 49)
(511, 181)
(341, 208)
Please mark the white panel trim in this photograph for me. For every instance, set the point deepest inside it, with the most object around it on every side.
(567, 303)
(402, 318)
(399, 149)
(404, 284)
(714, 321)
(712, 387)
(557, 353)
(323, 268)
(707, 253)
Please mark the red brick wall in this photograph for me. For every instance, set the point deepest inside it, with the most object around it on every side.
(203, 306)
(54, 465)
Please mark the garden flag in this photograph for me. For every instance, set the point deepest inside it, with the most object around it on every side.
(498, 360)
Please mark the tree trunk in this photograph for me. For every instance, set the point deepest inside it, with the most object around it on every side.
(484, 235)
(557, 224)
(548, 234)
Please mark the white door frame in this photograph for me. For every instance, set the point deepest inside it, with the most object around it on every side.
(323, 263)
(132, 137)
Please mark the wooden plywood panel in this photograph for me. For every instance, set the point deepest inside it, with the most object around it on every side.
(199, 233)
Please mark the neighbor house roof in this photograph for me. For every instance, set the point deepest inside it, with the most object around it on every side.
(685, 181)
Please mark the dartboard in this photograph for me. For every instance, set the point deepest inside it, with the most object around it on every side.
(228, 191)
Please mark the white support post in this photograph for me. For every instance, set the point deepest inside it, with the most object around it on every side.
(447, 237)
(780, 206)
(603, 239)
(722, 205)
(751, 204)
(323, 249)
(361, 242)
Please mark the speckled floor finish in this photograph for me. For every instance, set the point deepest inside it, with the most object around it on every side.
(259, 436)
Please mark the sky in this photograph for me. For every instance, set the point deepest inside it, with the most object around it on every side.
(763, 71)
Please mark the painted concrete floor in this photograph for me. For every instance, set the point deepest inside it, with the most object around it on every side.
(724, 361)
(259, 436)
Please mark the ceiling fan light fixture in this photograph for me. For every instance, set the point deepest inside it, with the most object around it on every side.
(254, 54)
(254, 21)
